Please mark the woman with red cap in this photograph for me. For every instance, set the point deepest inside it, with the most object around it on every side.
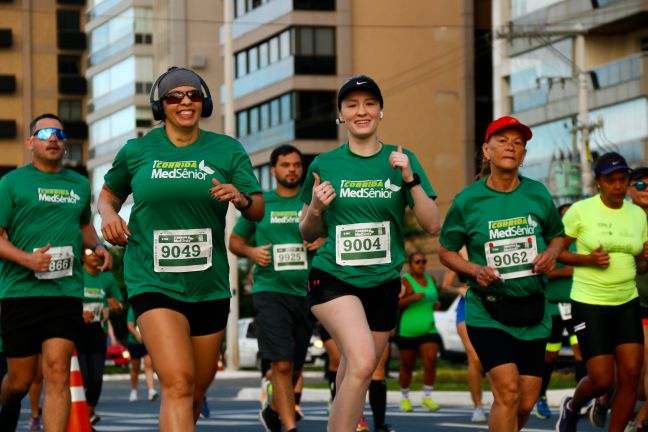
(610, 236)
(513, 235)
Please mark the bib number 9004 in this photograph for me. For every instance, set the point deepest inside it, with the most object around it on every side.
(362, 244)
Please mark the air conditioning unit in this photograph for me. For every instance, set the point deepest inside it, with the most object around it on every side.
(198, 61)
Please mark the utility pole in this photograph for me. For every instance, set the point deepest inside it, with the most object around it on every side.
(582, 76)
(232, 320)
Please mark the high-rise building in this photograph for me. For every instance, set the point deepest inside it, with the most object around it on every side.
(535, 79)
(42, 61)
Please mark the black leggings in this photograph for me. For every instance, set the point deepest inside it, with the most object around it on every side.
(92, 356)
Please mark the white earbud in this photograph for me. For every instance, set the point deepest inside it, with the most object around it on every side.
(338, 121)
(381, 114)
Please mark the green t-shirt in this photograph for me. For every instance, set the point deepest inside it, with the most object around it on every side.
(622, 233)
(177, 246)
(559, 289)
(417, 319)
(287, 273)
(40, 208)
(130, 318)
(511, 228)
(96, 290)
(364, 223)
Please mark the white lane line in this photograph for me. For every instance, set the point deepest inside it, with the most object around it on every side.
(485, 427)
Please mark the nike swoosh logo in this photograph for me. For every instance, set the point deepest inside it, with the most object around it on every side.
(360, 83)
(615, 163)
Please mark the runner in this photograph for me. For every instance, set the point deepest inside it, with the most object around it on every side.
(100, 291)
(138, 356)
(41, 282)
(610, 235)
(558, 291)
(513, 234)
(356, 195)
(175, 268)
(282, 260)
(417, 331)
(639, 194)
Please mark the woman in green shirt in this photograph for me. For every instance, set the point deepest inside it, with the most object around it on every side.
(182, 179)
(513, 235)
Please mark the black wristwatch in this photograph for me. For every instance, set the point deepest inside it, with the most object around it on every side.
(414, 182)
(248, 205)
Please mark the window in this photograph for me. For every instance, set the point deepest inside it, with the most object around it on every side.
(242, 124)
(263, 55)
(315, 41)
(286, 109)
(324, 41)
(254, 120)
(305, 41)
(68, 19)
(70, 109)
(265, 117)
(284, 44)
(274, 50)
(275, 116)
(253, 59)
(69, 65)
(241, 64)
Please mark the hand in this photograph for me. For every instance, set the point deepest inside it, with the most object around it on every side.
(544, 262)
(87, 317)
(38, 260)
(418, 295)
(644, 254)
(323, 194)
(105, 256)
(114, 230)
(138, 337)
(486, 275)
(313, 246)
(599, 258)
(227, 192)
(114, 304)
(402, 292)
(398, 159)
(260, 255)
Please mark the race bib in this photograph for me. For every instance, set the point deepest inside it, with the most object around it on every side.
(179, 251)
(513, 257)
(289, 256)
(60, 265)
(362, 244)
(96, 309)
(565, 311)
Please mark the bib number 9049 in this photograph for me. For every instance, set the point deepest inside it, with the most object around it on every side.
(179, 251)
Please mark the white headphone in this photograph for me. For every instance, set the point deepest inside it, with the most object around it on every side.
(381, 114)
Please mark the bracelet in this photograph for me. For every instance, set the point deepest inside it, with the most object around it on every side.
(415, 181)
(248, 205)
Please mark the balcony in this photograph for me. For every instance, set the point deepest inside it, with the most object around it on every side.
(7, 84)
(110, 50)
(313, 128)
(71, 40)
(72, 85)
(6, 38)
(315, 5)
(77, 130)
(8, 129)
(617, 72)
(101, 9)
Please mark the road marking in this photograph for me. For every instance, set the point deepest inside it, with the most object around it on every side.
(485, 427)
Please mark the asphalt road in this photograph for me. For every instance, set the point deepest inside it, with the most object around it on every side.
(231, 415)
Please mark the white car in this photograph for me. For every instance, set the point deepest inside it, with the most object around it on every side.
(446, 324)
(249, 348)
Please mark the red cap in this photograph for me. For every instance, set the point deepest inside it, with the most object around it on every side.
(508, 122)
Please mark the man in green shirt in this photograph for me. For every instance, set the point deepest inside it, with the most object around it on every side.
(45, 214)
(280, 282)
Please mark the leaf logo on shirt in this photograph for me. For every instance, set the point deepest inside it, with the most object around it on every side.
(391, 186)
(531, 222)
(205, 168)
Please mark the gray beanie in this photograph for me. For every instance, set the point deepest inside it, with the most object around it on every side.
(177, 78)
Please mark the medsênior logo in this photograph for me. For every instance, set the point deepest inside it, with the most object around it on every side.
(181, 170)
(283, 217)
(367, 189)
(62, 196)
(514, 227)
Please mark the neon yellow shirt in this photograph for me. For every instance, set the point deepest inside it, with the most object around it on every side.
(622, 233)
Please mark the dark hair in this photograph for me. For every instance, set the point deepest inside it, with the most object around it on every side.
(565, 206)
(411, 256)
(484, 169)
(283, 150)
(32, 124)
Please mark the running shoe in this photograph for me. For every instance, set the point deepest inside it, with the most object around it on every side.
(598, 414)
(299, 414)
(152, 394)
(631, 427)
(541, 408)
(329, 406)
(567, 419)
(429, 405)
(362, 425)
(584, 411)
(478, 415)
(406, 405)
(133, 396)
(204, 410)
(35, 424)
(264, 392)
(270, 420)
(385, 427)
(94, 419)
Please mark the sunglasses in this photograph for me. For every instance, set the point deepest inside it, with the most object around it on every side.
(176, 97)
(640, 185)
(423, 261)
(46, 133)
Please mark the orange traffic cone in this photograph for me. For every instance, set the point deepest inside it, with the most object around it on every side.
(79, 415)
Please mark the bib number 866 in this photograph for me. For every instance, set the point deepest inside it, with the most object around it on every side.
(361, 245)
(510, 258)
(177, 251)
(57, 265)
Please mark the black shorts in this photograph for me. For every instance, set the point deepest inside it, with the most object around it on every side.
(137, 350)
(643, 311)
(601, 328)
(207, 317)
(29, 321)
(380, 303)
(92, 339)
(557, 327)
(323, 333)
(413, 343)
(283, 327)
(495, 347)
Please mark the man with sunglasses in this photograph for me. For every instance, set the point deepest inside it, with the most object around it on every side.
(639, 195)
(45, 215)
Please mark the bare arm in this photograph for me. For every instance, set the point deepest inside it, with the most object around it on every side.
(37, 261)
(133, 329)
(259, 254)
(483, 274)
(425, 210)
(91, 241)
(409, 295)
(312, 221)
(113, 227)
(229, 192)
(597, 258)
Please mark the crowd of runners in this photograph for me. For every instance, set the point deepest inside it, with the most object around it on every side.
(328, 251)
